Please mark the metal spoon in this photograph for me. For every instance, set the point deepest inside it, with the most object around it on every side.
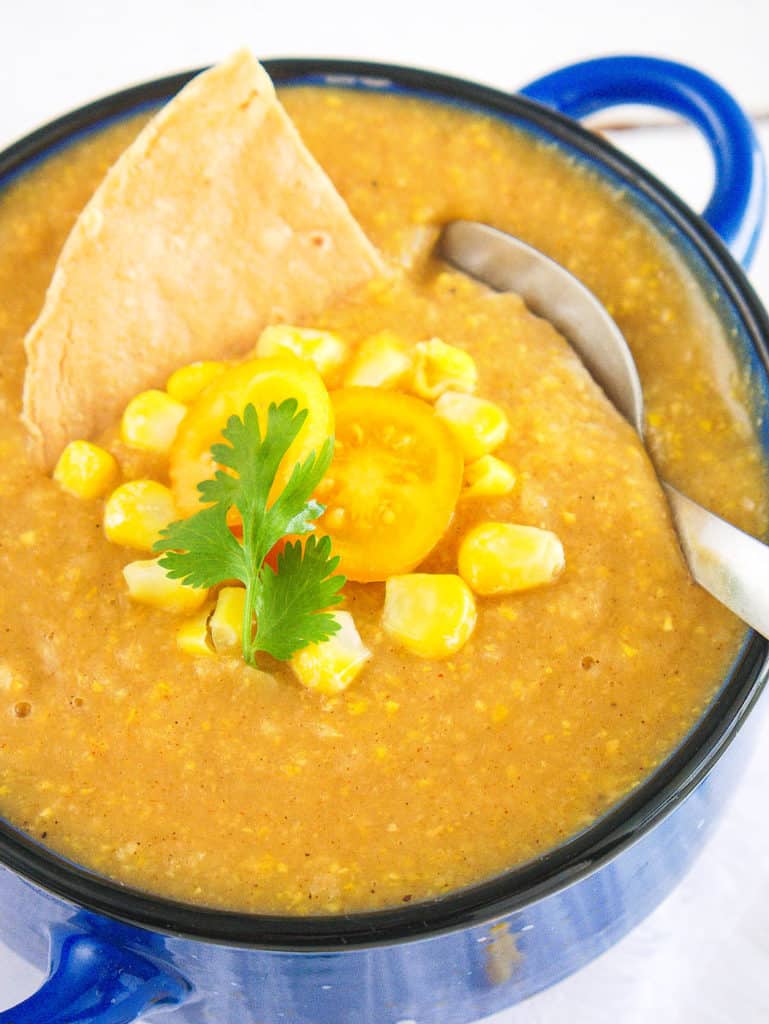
(730, 564)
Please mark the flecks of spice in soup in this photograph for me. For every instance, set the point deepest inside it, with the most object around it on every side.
(205, 780)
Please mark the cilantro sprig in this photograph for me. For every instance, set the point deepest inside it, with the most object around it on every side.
(286, 609)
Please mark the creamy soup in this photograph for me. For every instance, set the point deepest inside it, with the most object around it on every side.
(206, 780)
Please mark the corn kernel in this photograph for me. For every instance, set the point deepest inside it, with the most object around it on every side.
(380, 362)
(226, 623)
(480, 426)
(148, 584)
(322, 348)
(85, 470)
(331, 666)
(431, 615)
(186, 383)
(440, 367)
(136, 512)
(192, 637)
(488, 477)
(150, 421)
(500, 558)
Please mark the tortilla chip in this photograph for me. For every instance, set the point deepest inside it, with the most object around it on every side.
(214, 222)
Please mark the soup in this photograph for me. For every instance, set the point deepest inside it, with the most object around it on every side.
(206, 780)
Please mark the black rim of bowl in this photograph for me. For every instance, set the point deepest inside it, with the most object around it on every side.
(621, 826)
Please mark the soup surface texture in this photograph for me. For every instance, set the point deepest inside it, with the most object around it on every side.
(205, 780)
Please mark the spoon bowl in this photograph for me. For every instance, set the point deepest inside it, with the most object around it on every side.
(730, 564)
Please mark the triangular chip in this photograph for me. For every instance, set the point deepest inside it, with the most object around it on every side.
(214, 222)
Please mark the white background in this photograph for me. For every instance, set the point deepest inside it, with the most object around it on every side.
(703, 955)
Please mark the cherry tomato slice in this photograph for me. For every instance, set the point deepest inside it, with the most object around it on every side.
(259, 382)
(393, 485)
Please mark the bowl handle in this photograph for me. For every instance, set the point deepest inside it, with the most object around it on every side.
(95, 981)
(736, 207)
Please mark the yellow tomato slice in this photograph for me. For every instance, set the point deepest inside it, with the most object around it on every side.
(391, 490)
(259, 382)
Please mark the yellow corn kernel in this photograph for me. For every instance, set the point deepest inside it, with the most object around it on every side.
(500, 558)
(431, 615)
(331, 666)
(85, 470)
(439, 367)
(186, 383)
(488, 477)
(136, 512)
(192, 637)
(480, 426)
(380, 362)
(322, 348)
(148, 583)
(150, 421)
(226, 623)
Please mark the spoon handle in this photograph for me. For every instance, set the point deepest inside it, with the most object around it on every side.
(730, 564)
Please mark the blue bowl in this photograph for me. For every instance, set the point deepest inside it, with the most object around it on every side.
(116, 953)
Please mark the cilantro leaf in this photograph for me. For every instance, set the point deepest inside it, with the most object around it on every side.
(202, 551)
(283, 611)
(288, 600)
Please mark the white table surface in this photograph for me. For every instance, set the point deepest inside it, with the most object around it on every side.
(703, 955)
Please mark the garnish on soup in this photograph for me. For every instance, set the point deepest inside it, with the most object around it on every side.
(401, 465)
(284, 609)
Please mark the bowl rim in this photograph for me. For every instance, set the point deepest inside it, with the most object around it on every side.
(624, 824)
